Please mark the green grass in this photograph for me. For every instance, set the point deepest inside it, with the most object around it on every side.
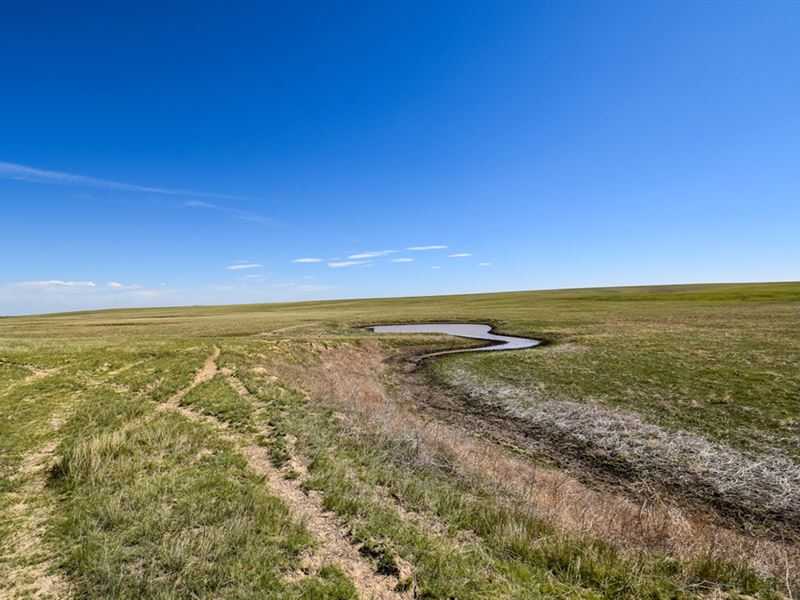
(155, 506)
(219, 399)
(717, 359)
(142, 502)
(27, 412)
(725, 370)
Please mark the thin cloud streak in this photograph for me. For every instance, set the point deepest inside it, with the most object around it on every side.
(240, 266)
(347, 263)
(239, 214)
(427, 248)
(30, 174)
(459, 255)
(53, 284)
(307, 260)
(49, 295)
(402, 260)
(59, 286)
(375, 254)
(116, 285)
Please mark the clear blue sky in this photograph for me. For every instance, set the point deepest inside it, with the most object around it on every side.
(149, 147)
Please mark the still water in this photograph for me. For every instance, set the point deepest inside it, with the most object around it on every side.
(465, 330)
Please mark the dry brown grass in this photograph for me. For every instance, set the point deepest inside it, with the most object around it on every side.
(760, 487)
(352, 378)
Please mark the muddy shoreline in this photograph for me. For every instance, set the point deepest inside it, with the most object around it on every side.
(579, 452)
(585, 459)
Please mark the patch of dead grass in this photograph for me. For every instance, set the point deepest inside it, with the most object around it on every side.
(353, 378)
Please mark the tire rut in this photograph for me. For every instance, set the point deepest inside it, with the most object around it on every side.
(35, 574)
(206, 373)
(333, 537)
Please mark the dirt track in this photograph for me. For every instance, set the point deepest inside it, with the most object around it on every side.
(333, 540)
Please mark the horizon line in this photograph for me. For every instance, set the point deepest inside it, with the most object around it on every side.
(367, 298)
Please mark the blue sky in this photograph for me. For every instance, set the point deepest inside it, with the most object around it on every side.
(187, 153)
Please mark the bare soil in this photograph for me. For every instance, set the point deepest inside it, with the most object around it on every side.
(33, 573)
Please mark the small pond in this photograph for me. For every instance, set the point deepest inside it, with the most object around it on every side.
(465, 330)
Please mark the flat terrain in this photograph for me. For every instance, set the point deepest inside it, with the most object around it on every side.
(650, 448)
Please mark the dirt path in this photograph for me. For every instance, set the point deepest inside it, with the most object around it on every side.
(36, 373)
(206, 373)
(333, 538)
(288, 328)
(32, 573)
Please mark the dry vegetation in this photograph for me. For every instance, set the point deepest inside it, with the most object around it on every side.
(354, 376)
(750, 489)
(280, 451)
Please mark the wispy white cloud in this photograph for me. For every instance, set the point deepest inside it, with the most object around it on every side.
(402, 260)
(62, 286)
(459, 255)
(54, 284)
(485, 264)
(347, 263)
(238, 266)
(116, 285)
(436, 267)
(239, 214)
(307, 260)
(48, 295)
(427, 248)
(374, 254)
(33, 175)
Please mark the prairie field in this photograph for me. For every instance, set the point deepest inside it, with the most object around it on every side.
(649, 448)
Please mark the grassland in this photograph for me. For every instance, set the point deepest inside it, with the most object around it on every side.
(651, 448)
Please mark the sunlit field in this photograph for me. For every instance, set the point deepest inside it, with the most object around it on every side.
(649, 448)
